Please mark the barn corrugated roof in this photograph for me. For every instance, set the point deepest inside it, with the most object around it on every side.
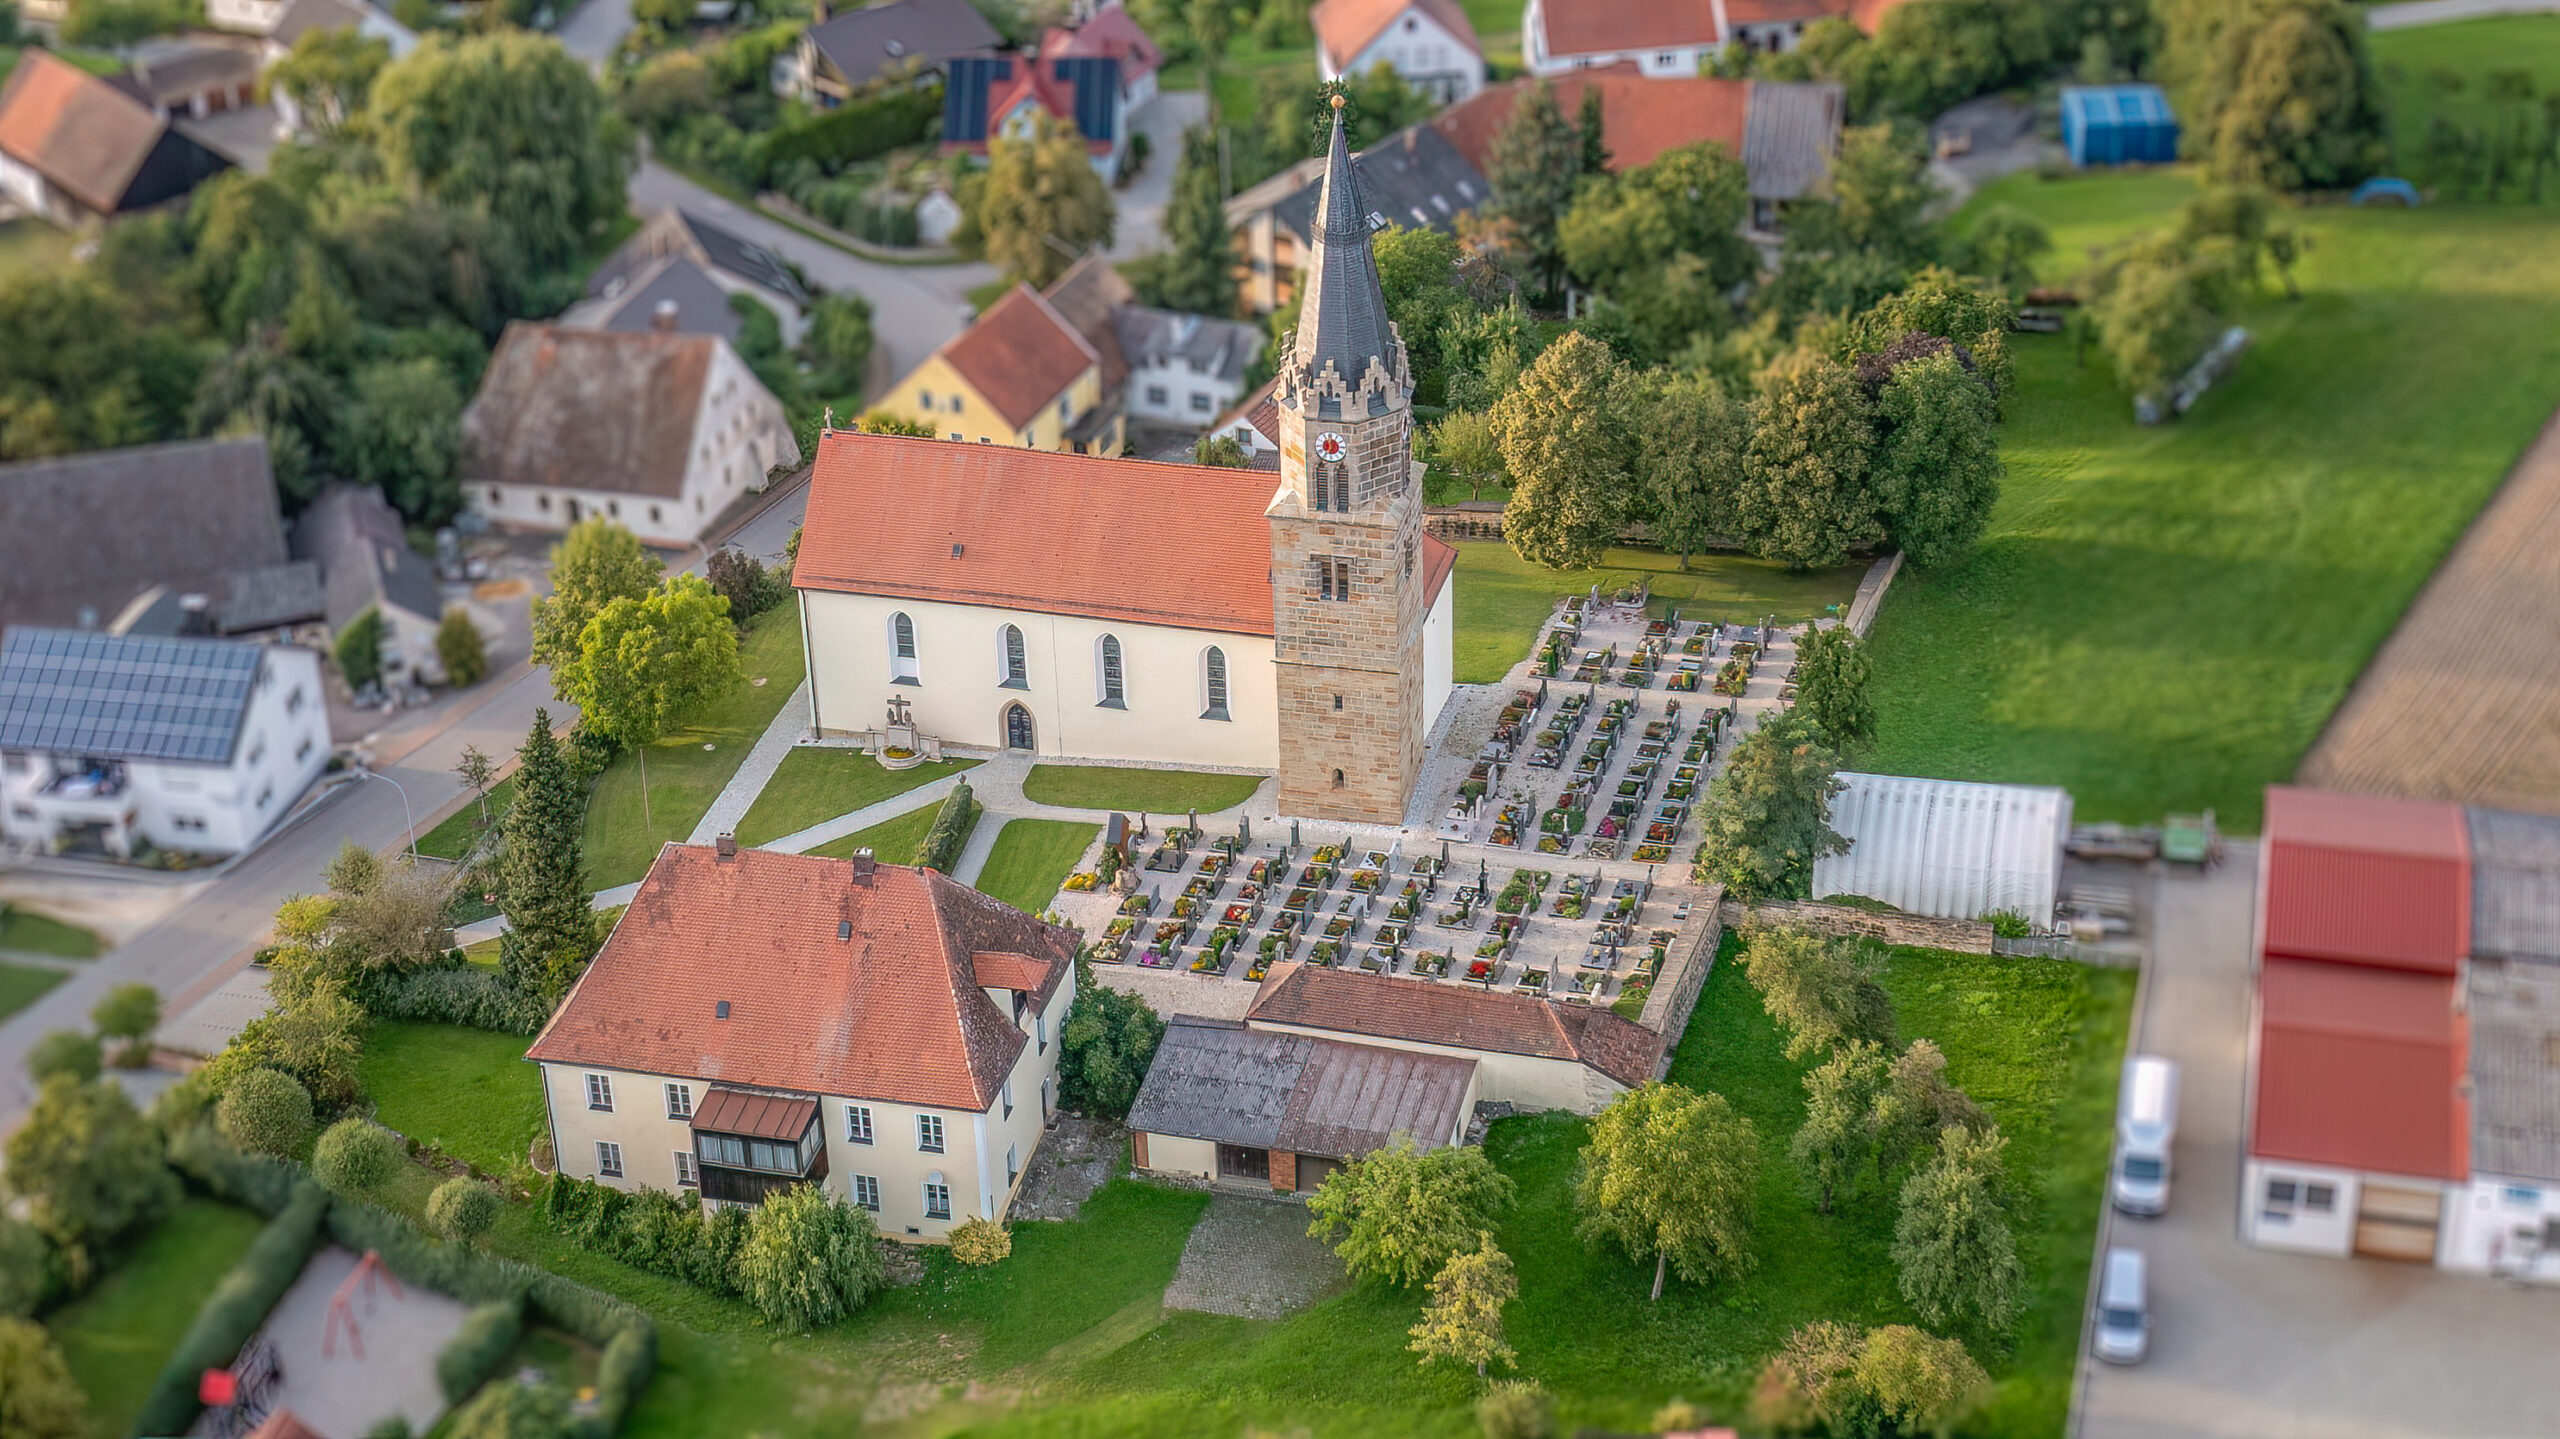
(2366, 879)
(1217, 1080)
(1946, 847)
(2361, 1068)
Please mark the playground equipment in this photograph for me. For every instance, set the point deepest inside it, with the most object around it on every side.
(365, 1275)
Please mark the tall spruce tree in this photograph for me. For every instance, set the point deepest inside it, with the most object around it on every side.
(551, 923)
(1535, 162)
(1593, 127)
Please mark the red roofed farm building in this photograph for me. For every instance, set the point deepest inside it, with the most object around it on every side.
(2405, 1076)
(759, 1020)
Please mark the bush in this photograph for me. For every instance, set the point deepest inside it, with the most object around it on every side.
(29, 1269)
(466, 994)
(1517, 1409)
(850, 134)
(653, 1230)
(464, 1273)
(359, 650)
(234, 1311)
(65, 1051)
(513, 1410)
(357, 1156)
(266, 1111)
(38, 1397)
(462, 1209)
(630, 1357)
(809, 1259)
(980, 1242)
(476, 1349)
(258, 1181)
(459, 646)
(950, 832)
(2009, 924)
(129, 1012)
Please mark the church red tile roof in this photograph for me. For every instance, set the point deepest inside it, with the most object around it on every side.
(1022, 529)
(894, 1011)
(1020, 355)
(1459, 1017)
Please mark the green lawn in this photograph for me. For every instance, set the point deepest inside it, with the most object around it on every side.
(37, 934)
(683, 776)
(1031, 858)
(2162, 619)
(118, 1334)
(468, 1092)
(2410, 60)
(891, 841)
(30, 244)
(453, 838)
(24, 984)
(1135, 791)
(1502, 598)
(816, 785)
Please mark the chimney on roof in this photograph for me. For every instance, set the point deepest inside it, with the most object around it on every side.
(862, 865)
(1412, 137)
(663, 317)
(725, 847)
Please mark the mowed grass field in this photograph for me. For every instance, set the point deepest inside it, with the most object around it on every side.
(2413, 64)
(2163, 618)
(1503, 599)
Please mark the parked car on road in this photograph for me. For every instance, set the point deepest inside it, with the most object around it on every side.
(2146, 1126)
(2124, 1309)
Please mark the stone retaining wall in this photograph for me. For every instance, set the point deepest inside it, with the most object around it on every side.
(1675, 990)
(1964, 936)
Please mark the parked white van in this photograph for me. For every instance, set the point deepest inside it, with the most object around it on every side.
(2124, 1310)
(2146, 1126)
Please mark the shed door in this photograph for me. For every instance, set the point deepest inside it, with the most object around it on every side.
(2395, 1222)
(1311, 1172)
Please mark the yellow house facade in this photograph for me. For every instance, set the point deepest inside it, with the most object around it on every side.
(1021, 376)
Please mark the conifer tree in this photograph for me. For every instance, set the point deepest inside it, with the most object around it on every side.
(1535, 162)
(551, 925)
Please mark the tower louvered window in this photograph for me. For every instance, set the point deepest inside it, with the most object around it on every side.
(1333, 579)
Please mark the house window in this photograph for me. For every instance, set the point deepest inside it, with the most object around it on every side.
(1012, 1164)
(257, 752)
(1008, 1099)
(929, 1133)
(608, 1159)
(613, 508)
(653, 514)
(857, 1124)
(191, 823)
(902, 650)
(542, 502)
(866, 1192)
(496, 495)
(679, 1101)
(955, 434)
(1040, 1031)
(1017, 667)
(957, 408)
(1199, 402)
(1114, 694)
(302, 751)
(293, 701)
(1156, 395)
(937, 1199)
(1065, 413)
(600, 1092)
(686, 1176)
(1213, 683)
(924, 401)
(1412, 545)
(1333, 578)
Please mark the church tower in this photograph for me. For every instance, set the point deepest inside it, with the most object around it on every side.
(1346, 533)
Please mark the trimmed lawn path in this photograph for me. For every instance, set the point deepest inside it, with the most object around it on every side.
(893, 841)
(684, 778)
(815, 785)
(118, 1334)
(1135, 791)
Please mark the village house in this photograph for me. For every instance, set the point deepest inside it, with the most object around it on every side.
(88, 534)
(903, 42)
(109, 742)
(759, 1020)
(362, 550)
(659, 431)
(681, 258)
(1429, 43)
(78, 148)
(1017, 597)
(1673, 39)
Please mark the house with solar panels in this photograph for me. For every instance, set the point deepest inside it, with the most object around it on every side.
(991, 97)
(111, 744)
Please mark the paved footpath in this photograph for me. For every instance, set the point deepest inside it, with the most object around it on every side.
(2438, 12)
(739, 796)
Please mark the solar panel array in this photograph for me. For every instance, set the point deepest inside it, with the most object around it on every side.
(124, 697)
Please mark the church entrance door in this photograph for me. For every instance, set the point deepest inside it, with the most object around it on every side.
(1017, 728)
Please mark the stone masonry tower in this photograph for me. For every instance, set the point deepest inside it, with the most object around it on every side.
(1346, 534)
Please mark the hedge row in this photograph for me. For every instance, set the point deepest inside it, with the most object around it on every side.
(214, 1164)
(487, 1333)
(851, 134)
(950, 832)
(237, 1307)
(653, 1230)
(465, 994)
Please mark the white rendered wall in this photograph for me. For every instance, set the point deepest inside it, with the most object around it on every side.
(2332, 1234)
(1439, 664)
(960, 696)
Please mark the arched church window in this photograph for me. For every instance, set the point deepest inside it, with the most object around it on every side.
(1107, 674)
(1017, 669)
(1213, 683)
(902, 649)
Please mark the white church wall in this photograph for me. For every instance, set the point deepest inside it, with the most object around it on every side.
(960, 693)
(1439, 663)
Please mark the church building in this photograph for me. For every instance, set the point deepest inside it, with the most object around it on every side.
(1105, 608)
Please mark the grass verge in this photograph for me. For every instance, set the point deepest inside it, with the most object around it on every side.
(460, 830)
(24, 984)
(468, 1092)
(1149, 791)
(816, 785)
(684, 778)
(118, 1334)
(1031, 858)
(1502, 598)
(39, 934)
(2162, 619)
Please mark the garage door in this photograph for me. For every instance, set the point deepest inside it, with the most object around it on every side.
(2397, 1223)
(1311, 1172)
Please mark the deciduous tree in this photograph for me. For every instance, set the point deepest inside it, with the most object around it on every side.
(129, 1012)
(29, 1269)
(458, 645)
(330, 75)
(1838, 1133)
(1848, 1380)
(1565, 439)
(1041, 206)
(1805, 496)
(266, 1111)
(1952, 1244)
(1463, 1321)
(2004, 245)
(89, 1166)
(1821, 989)
(38, 1397)
(477, 770)
(1400, 1213)
(1463, 445)
(1937, 459)
(1923, 1383)
(1671, 1175)
(1690, 461)
(1916, 1105)
(595, 563)
(1768, 815)
(1104, 1047)
(1831, 687)
(809, 1259)
(1516, 1409)
(2279, 93)
(68, 1052)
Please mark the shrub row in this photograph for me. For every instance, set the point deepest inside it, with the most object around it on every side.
(950, 832)
(218, 1167)
(852, 134)
(464, 993)
(652, 1230)
(487, 1333)
(235, 1309)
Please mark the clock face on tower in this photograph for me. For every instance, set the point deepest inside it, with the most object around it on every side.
(1329, 448)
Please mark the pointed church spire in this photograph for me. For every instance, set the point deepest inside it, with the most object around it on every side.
(1343, 319)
